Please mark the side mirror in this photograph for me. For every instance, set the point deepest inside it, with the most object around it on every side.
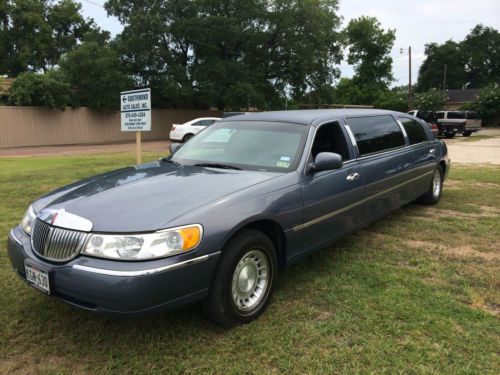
(326, 161)
(174, 147)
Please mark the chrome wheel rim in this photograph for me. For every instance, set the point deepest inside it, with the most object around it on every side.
(250, 280)
(436, 184)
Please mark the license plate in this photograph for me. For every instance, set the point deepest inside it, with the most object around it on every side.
(37, 277)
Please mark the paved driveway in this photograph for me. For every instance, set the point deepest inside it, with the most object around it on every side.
(479, 148)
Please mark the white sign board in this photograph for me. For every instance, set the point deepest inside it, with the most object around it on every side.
(136, 110)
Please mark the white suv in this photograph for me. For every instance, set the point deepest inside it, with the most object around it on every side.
(182, 132)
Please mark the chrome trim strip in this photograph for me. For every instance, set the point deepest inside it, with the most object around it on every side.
(151, 271)
(13, 236)
(346, 208)
(400, 123)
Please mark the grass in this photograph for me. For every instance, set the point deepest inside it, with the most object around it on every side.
(417, 292)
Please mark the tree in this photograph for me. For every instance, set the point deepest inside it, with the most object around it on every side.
(431, 100)
(229, 53)
(481, 49)
(472, 63)
(95, 72)
(393, 100)
(46, 90)
(431, 72)
(487, 103)
(369, 49)
(35, 33)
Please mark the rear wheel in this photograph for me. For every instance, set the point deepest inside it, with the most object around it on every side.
(450, 135)
(243, 281)
(187, 137)
(433, 195)
(466, 133)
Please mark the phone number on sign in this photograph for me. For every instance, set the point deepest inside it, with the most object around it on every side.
(135, 115)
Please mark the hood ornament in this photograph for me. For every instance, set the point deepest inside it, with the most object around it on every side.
(63, 219)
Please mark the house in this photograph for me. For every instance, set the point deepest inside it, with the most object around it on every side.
(455, 99)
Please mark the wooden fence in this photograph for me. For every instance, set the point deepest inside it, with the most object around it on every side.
(35, 126)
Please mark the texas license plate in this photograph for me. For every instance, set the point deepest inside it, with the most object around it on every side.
(37, 277)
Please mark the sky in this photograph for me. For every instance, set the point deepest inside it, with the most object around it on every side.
(417, 22)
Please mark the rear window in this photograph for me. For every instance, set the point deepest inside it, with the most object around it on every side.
(415, 131)
(426, 116)
(440, 115)
(376, 133)
(472, 116)
(456, 115)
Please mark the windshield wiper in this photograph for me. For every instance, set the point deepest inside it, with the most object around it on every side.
(217, 165)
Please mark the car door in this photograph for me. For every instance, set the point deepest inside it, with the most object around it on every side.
(425, 153)
(329, 197)
(385, 163)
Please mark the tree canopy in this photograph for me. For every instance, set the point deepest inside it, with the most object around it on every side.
(471, 63)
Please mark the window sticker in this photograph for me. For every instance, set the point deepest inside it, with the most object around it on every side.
(282, 164)
(285, 158)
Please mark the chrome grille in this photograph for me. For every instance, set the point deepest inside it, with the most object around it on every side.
(56, 244)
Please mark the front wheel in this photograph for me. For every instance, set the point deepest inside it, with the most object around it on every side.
(433, 195)
(243, 281)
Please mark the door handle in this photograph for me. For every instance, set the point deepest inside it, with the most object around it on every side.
(352, 177)
(432, 150)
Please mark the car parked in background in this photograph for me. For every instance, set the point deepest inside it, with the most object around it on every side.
(451, 123)
(429, 117)
(183, 132)
(473, 123)
(216, 220)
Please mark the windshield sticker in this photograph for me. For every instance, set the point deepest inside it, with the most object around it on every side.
(282, 164)
(285, 158)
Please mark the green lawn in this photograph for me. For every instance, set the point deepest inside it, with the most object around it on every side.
(417, 292)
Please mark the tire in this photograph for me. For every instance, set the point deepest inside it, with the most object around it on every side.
(433, 195)
(187, 137)
(466, 133)
(243, 281)
(449, 135)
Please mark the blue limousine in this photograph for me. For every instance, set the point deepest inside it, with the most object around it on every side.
(216, 220)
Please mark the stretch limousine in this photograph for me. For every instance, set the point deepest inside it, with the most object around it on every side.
(215, 221)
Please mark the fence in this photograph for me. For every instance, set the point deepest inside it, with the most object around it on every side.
(35, 126)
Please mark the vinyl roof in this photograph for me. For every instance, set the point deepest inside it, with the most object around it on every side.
(307, 116)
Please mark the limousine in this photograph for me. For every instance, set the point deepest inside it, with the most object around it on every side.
(216, 220)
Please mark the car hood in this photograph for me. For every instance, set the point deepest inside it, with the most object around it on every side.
(147, 197)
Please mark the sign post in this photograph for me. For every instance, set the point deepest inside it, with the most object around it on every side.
(136, 115)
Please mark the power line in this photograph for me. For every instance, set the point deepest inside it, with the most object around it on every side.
(94, 3)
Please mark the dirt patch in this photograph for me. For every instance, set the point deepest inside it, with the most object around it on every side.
(462, 251)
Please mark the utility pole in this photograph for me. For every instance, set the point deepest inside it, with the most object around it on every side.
(410, 90)
(444, 77)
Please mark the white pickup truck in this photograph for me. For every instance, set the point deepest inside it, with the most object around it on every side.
(464, 122)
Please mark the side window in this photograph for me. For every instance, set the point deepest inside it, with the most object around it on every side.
(440, 115)
(376, 133)
(202, 123)
(456, 115)
(416, 134)
(329, 138)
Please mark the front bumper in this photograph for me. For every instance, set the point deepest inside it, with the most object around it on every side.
(119, 287)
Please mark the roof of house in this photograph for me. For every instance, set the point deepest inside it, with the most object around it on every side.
(462, 96)
(306, 116)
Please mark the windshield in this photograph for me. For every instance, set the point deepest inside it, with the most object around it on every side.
(251, 145)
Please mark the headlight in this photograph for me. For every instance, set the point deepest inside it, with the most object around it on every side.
(144, 246)
(27, 221)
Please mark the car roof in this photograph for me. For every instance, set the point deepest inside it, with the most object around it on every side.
(308, 116)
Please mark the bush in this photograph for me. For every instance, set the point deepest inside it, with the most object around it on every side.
(394, 101)
(487, 103)
(45, 90)
(431, 100)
